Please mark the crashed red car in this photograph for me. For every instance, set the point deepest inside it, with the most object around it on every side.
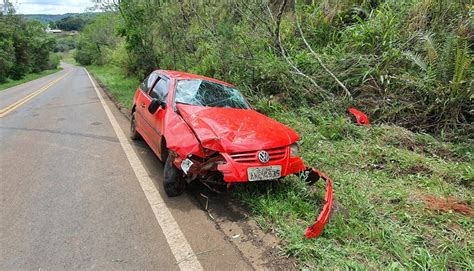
(204, 129)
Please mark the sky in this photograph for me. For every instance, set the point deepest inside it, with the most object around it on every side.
(50, 6)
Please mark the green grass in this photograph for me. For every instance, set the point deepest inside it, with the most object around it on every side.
(379, 175)
(29, 77)
(123, 88)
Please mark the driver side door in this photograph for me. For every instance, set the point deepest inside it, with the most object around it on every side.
(142, 102)
(159, 91)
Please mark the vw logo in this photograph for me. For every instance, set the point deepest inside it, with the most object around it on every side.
(263, 157)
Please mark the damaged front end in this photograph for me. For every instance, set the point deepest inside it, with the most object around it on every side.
(207, 170)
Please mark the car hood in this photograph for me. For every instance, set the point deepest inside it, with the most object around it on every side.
(233, 130)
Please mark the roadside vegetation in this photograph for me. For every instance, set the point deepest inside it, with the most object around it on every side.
(403, 62)
(25, 48)
(29, 77)
(403, 186)
(402, 198)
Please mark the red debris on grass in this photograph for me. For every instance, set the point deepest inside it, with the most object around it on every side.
(360, 117)
(447, 204)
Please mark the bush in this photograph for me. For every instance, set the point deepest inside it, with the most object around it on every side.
(98, 40)
(53, 61)
(24, 47)
(405, 62)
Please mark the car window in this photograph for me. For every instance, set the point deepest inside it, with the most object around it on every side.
(210, 94)
(148, 82)
(160, 90)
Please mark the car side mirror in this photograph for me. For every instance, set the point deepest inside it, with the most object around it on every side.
(154, 105)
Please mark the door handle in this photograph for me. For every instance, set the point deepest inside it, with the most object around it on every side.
(143, 105)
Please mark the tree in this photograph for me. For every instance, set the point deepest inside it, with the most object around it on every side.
(24, 46)
(70, 23)
(97, 40)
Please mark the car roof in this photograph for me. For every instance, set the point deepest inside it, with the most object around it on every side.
(188, 76)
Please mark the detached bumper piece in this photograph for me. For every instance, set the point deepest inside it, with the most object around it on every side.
(318, 226)
(360, 117)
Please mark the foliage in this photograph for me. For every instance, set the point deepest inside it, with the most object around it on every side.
(404, 62)
(51, 18)
(65, 43)
(29, 77)
(24, 47)
(98, 40)
(70, 23)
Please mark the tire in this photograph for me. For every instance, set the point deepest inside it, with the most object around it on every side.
(134, 135)
(173, 182)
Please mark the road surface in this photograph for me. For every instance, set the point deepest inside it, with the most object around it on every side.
(71, 196)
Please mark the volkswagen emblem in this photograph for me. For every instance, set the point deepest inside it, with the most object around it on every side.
(263, 157)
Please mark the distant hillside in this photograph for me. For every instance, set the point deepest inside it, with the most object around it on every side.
(48, 18)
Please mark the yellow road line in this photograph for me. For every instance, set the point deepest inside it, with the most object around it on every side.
(5, 111)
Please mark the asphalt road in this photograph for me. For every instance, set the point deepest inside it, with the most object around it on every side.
(69, 196)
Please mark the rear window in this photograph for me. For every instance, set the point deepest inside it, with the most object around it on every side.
(209, 94)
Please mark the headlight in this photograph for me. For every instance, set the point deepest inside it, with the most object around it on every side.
(294, 149)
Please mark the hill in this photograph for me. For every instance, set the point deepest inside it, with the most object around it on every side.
(48, 18)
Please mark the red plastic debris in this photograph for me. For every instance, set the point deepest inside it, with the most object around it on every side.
(361, 118)
(316, 229)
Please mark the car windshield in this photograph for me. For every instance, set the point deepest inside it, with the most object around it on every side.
(210, 94)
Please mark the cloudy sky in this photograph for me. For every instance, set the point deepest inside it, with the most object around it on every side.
(50, 6)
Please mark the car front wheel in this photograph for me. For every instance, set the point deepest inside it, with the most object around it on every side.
(173, 182)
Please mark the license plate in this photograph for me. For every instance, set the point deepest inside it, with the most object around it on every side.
(186, 165)
(263, 173)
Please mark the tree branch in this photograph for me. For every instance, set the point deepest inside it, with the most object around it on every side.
(317, 56)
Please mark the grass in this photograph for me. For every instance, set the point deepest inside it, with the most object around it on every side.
(123, 88)
(29, 77)
(380, 175)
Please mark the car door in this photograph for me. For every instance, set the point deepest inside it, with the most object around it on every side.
(142, 103)
(159, 91)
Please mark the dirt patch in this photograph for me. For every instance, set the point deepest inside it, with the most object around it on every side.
(404, 139)
(447, 204)
(263, 250)
(443, 153)
(418, 169)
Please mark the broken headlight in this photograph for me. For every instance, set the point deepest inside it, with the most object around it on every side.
(294, 149)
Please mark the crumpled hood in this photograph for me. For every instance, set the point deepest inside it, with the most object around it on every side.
(233, 130)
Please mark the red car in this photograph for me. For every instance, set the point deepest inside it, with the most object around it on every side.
(204, 129)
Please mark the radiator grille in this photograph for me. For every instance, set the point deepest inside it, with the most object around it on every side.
(251, 156)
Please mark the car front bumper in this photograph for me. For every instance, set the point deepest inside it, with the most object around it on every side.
(235, 172)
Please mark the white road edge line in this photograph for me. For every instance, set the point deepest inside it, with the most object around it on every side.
(182, 251)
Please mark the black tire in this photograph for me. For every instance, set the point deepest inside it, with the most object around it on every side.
(134, 135)
(173, 182)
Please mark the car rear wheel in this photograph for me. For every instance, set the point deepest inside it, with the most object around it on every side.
(134, 135)
(173, 182)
